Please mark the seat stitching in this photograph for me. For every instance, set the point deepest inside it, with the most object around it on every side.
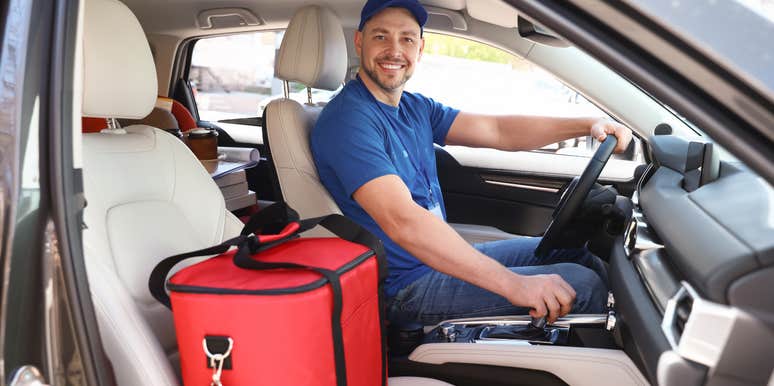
(320, 49)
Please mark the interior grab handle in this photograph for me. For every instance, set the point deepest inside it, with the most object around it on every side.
(245, 18)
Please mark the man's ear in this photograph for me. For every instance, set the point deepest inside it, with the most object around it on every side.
(358, 43)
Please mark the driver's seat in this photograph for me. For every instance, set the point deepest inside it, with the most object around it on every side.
(314, 53)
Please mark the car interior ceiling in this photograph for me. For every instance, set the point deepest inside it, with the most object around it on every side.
(666, 273)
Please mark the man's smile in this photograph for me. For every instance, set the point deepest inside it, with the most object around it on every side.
(391, 66)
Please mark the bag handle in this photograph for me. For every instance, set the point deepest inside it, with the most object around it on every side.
(271, 218)
(274, 216)
(286, 232)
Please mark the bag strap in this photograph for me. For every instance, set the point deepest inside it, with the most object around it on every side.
(272, 216)
(276, 215)
(159, 274)
(344, 229)
(242, 259)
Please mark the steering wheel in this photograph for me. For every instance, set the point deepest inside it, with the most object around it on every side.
(574, 195)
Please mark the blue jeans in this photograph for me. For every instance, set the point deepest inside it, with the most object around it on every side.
(435, 296)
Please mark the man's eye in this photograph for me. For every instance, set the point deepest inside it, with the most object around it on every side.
(379, 37)
(409, 40)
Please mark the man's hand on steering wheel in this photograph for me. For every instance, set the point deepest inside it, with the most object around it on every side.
(601, 128)
(577, 190)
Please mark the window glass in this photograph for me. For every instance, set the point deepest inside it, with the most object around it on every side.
(453, 69)
(739, 45)
(233, 76)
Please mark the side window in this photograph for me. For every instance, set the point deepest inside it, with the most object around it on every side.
(501, 82)
(233, 77)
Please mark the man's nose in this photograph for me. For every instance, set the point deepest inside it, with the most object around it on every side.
(394, 50)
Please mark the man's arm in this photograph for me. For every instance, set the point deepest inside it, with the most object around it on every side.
(388, 201)
(524, 132)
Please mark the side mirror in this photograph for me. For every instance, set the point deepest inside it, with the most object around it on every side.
(539, 34)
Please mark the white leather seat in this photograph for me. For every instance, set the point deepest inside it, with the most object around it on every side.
(314, 53)
(148, 198)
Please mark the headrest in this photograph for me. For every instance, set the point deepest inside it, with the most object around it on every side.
(313, 50)
(160, 117)
(119, 76)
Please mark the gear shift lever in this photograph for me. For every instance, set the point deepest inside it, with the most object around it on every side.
(535, 331)
(538, 322)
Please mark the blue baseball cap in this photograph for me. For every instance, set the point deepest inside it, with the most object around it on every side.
(372, 7)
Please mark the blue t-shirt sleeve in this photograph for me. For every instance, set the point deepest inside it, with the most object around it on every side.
(441, 119)
(354, 151)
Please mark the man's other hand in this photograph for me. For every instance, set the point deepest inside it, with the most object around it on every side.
(601, 128)
(547, 295)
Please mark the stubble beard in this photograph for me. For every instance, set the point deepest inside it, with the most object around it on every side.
(398, 86)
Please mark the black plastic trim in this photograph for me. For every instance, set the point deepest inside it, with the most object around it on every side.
(638, 318)
(278, 291)
(656, 272)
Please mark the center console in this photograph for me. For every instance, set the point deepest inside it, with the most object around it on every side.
(573, 330)
(576, 350)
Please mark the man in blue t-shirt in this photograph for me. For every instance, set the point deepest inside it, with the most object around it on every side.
(373, 147)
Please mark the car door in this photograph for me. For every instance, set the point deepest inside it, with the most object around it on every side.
(514, 191)
(48, 333)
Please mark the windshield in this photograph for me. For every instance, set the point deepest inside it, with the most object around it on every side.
(732, 32)
(763, 7)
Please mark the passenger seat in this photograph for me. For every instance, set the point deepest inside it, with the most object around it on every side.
(148, 197)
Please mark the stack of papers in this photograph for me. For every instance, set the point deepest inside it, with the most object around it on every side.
(229, 174)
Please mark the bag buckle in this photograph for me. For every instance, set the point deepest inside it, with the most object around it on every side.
(216, 360)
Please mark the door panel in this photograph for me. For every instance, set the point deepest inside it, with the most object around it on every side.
(481, 187)
(470, 199)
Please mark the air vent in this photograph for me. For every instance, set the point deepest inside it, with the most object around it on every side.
(682, 311)
(678, 310)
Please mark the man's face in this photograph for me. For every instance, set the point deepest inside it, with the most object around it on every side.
(389, 47)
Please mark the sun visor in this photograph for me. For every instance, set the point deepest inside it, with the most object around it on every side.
(495, 12)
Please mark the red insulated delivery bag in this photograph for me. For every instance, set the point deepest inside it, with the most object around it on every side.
(279, 309)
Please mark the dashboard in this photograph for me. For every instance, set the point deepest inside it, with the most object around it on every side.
(690, 278)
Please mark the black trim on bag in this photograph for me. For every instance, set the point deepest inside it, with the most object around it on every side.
(275, 291)
(383, 319)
